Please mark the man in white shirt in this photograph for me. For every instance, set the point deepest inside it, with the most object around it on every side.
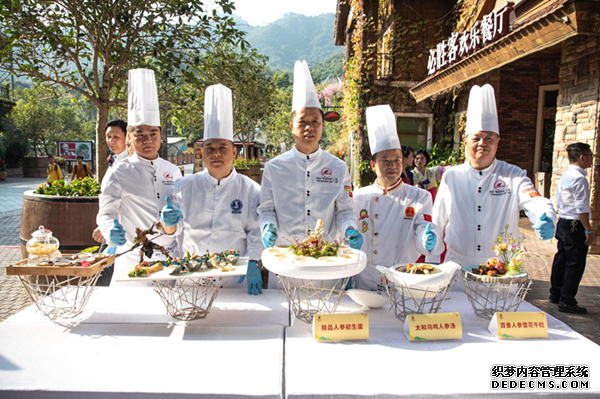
(574, 231)
(393, 217)
(135, 192)
(477, 199)
(215, 209)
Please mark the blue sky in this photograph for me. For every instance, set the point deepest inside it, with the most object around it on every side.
(262, 12)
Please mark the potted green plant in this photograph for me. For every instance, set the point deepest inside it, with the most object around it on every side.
(68, 209)
(3, 172)
(240, 164)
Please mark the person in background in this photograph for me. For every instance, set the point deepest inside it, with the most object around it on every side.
(54, 170)
(478, 199)
(81, 170)
(409, 159)
(574, 230)
(215, 209)
(135, 192)
(306, 183)
(425, 177)
(116, 139)
(393, 217)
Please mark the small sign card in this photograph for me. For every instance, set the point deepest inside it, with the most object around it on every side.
(516, 325)
(341, 327)
(433, 326)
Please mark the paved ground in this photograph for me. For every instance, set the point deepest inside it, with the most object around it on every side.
(13, 297)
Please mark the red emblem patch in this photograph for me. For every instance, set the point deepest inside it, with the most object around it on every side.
(409, 212)
(427, 218)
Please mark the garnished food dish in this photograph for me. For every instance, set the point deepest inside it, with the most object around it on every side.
(314, 245)
(418, 269)
(144, 269)
(496, 268)
(223, 261)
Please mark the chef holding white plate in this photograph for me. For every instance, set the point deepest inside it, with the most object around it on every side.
(393, 217)
(477, 199)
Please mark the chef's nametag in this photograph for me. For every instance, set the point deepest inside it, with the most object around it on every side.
(433, 326)
(341, 327)
(516, 325)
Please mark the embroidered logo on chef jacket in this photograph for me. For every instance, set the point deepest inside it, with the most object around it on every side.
(363, 214)
(169, 181)
(326, 176)
(236, 206)
(349, 189)
(409, 213)
(365, 226)
(500, 188)
(532, 192)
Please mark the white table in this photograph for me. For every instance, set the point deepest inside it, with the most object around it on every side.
(139, 361)
(141, 305)
(390, 366)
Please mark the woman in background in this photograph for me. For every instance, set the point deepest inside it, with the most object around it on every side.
(424, 177)
(408, 156)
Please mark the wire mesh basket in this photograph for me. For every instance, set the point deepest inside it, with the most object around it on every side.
(309, 297)
(488, 295)
(189, 298)
(405, 300)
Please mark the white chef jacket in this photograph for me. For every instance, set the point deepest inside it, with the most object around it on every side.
(573, 194)
(109, 171)
(135, 194)
(473, 207)
(217, 216)
(392, 223)
(298, 189)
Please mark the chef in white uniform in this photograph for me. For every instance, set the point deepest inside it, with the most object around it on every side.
(477, 199)
(394, 218)
(215, 209)
(135, 191)
(306, 183)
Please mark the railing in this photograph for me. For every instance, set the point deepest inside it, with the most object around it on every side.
(385, 65)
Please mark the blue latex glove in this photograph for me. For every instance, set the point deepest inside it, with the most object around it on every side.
(544, 228)
(117, 234)
(253, 279)
(354, 238)
(429, 238)
(110, 250)
(169, 215)
(269, 235)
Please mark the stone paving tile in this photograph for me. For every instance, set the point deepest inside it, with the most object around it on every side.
(10, 227)
(12, 189)
(13, 297)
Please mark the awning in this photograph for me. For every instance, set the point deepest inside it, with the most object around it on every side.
(557, 23)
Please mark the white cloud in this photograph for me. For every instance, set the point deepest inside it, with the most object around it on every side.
(262, 12)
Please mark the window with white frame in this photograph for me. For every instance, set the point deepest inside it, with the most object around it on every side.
(415, 129)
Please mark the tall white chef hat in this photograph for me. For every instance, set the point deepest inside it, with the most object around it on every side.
(218, 113)
(142, 98)
(381, 125)
(305, 94)
(481, 113)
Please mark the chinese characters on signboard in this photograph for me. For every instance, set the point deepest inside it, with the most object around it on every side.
(341, 327)
(460, 45)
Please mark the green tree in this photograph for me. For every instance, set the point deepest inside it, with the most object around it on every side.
(88, 46)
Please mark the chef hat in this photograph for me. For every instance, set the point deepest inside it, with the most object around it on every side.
(305, 94)
(481, 113)
(142, 98)
(218, 113)
(381, 125)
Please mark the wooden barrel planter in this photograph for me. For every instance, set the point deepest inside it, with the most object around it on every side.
(71, 219)
(35, 166)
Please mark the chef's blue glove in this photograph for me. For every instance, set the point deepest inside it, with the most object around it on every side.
(110, 250)
(544, 228)
(269, 235)
(253, 279)
(429, 238)
(169, 215)
(354, 238)
(117, 234)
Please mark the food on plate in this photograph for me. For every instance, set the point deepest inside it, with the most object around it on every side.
(315, 245)
(194, 262)
(418, 269)
(144, 269)
(496, 268)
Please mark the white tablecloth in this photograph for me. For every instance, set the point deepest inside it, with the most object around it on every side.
(141, 305)
(391, 366)
(139, 361)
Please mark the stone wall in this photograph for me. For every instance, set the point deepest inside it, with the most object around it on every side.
(578, 111)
